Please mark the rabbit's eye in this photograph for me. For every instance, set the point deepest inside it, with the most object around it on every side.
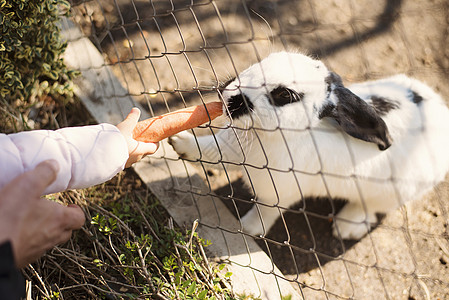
(281, 96)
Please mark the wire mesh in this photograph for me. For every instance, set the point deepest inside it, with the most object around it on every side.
(172, 54)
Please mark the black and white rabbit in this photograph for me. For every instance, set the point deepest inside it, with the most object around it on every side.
(299, 132)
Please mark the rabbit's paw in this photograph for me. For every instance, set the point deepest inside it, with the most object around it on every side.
(349, 230)
(352, 223)
(251, 224)
(259, 220)
(185, 145)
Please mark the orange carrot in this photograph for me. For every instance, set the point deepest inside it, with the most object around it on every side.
(158, 128)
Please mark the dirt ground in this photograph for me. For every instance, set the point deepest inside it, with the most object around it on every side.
(178, 52)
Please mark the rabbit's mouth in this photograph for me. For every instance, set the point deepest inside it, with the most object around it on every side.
(239, 105)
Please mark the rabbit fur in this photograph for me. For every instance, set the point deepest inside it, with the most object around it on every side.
(297, 132)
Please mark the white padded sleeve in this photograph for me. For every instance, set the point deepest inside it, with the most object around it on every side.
(86, 155)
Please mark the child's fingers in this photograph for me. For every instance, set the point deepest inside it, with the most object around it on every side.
(133, 117)
(140, 150)
(147, 148)
(130, 121)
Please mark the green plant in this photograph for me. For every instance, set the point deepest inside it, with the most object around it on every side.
(164, 261)
(32, 69)
(31, 49)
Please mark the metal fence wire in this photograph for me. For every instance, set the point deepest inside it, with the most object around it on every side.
(169, 54)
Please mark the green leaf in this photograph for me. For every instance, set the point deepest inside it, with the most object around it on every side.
(53, 75)
(186, 283)
(98, 262)
(64, 5)
(46, 67)
(191, 288)
(122, 258)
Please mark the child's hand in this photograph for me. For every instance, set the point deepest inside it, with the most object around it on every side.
(137, 150)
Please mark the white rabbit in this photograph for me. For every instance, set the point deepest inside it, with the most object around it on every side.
(298, 132)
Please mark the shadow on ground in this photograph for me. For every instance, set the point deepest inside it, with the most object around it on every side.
(305, 241)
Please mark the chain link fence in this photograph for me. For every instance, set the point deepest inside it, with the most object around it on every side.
(172, 54)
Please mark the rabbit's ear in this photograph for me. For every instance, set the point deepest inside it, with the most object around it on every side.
(358, 118)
